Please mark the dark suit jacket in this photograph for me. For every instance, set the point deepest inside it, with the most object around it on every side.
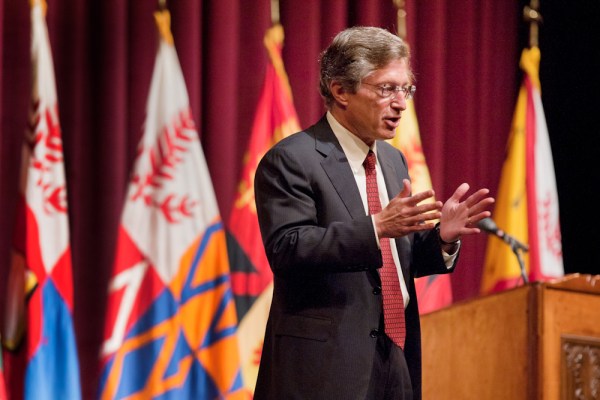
(321, 333)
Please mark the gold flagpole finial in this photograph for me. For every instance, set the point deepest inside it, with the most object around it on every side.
(401, 18)
(532, 15)
(162, 17)
(274, 12)
(42, 3)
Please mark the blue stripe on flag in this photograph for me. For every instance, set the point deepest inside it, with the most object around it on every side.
(137, 366)
(163, 308)
(238, 383)
(212, 335)
(197, 385)
(53, 372)
(182, 350)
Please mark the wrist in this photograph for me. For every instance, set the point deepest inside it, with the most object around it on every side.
(442, 241)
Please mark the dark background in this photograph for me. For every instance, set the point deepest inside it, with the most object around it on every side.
(570, 46)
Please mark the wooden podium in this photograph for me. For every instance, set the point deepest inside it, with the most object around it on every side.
(540, 341)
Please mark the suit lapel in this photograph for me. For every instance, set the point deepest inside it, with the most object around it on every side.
(337, 168)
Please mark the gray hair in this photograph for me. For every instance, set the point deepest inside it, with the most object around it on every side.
(355, 53)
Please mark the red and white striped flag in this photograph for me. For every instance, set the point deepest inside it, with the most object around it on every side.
(171, 322)
(40, 288)
(527, 201)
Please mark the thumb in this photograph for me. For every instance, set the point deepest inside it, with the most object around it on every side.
(406, 189)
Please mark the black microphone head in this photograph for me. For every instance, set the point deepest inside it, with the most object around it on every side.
(487, 224)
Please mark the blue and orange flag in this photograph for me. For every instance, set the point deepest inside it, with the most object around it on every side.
(435, 291)
(41, 361)
(527, 200)
(252, 278)
(171, 327)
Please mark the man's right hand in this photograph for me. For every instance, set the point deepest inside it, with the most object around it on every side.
(404, 215)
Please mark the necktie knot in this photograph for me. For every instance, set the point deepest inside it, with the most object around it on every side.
(370, 162)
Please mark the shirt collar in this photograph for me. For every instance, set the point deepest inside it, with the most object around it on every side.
(355, 149)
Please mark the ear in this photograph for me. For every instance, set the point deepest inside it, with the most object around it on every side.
(339, 93)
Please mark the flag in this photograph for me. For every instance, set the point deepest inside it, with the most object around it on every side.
(42, 362)
(434, 291)
(2, 384)
(171, 320)
(527, 201)
(252, 278)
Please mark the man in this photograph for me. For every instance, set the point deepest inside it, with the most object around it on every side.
(345, 237)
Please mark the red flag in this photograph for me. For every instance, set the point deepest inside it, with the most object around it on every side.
(252, 278)
(527, 201)
(43, 362)
(171, 322)
(2, 384)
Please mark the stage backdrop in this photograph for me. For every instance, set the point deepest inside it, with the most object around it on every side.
(465, 58)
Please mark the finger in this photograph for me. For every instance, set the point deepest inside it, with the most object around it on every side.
(425, 208)
(421, 196)
(419, 227)
(405, 192)
(483, 205)
(460, 192)
(429, 217)
(476, 197)
(469, 231)
(474, 219)
(420, 218)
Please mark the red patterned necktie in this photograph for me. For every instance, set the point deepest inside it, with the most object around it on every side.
(393, 304)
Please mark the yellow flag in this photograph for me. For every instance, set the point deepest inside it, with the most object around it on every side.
(527, 200)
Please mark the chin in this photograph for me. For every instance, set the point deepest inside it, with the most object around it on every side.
(387, 135)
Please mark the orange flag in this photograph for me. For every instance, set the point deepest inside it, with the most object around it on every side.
(252, 278)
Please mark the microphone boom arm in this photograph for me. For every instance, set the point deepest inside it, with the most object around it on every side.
(488, 225)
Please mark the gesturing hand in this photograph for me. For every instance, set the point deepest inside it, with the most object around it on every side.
(460, 218)
(404, 214)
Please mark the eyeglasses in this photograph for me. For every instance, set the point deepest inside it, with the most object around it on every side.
(391, 92)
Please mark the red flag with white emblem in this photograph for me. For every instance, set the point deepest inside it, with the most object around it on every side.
(41, 361)
(252, 278)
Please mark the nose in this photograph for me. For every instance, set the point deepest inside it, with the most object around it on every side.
(398, 103)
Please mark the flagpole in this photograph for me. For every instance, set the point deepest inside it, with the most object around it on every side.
(532, 15)
(274, 12)
(401, 18)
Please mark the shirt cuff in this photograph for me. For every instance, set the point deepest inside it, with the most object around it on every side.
(375, 230)
(449, 258)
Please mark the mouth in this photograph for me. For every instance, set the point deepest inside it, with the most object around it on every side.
(392, 122)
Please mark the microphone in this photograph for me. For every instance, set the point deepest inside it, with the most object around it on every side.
(488, 225)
